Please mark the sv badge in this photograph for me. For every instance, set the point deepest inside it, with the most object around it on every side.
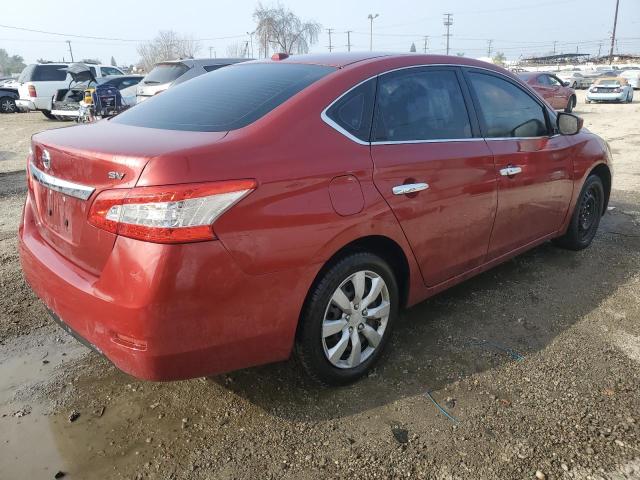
(115, 175)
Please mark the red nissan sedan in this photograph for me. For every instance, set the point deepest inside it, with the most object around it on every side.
(552, 89)
(296, 205)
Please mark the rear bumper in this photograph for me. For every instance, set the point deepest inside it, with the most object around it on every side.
(34, 103)
(66, 113)
(168, 312)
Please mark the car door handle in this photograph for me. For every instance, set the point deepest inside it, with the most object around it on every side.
(510, 171)
(409, 188)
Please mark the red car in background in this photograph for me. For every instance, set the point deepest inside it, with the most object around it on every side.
(552, 89)
(297, 206)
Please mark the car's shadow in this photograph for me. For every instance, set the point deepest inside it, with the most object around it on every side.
(514, 309)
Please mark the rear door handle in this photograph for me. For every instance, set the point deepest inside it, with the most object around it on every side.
(510, 171)
(409, 188)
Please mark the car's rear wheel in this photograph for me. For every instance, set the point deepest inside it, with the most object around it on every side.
(571, 103)
(347, 319)
(8, 105)
(586, 216)
(48, 114)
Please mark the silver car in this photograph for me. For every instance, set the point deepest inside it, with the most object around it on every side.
(610, 89)
(166, 74)
(573, 79)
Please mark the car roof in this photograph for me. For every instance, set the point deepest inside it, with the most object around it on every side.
(529, 75)
(343, 59)
(192, 62)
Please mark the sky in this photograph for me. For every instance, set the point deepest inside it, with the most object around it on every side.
(516, 28)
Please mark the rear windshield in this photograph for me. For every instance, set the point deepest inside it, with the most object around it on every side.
(609, 83)
(226, 99)
(43, 73)
(165, 73)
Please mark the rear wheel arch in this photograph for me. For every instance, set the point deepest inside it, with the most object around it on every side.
(602, 170)
(384, 247)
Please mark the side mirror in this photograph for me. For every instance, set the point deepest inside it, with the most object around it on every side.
(566, 83)
(569, 124)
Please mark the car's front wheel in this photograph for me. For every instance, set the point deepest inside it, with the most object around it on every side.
(347, 319)
(571, 103)
(586, 216)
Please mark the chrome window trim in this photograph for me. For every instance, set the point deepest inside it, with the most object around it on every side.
(339, 129)
(57, 184)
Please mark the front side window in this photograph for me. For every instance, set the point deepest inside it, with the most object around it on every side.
(420, 104)
(165, 73)
(507, 110)
(554, 81)
(354, 111)
(226, 99)
(106, 71)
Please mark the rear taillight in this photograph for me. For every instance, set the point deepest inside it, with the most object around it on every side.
(32, 91)
(167, 214)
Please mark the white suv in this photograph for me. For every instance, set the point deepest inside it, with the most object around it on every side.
(38, 83)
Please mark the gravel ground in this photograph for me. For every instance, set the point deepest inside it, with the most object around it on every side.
(536, 363)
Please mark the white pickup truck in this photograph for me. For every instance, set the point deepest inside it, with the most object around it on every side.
(38, 83)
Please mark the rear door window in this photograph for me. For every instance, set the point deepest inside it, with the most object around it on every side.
(49, 73)
(420, 104)
(507, 110)
(226, 99)
(353, 112)
(211, 68)
(165, 73)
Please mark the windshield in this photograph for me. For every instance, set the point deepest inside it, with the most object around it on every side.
(165, 73)
(226, 99)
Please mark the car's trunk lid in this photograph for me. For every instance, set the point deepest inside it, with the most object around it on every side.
(79, 163)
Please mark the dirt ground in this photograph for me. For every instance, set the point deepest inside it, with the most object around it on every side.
(537, 362)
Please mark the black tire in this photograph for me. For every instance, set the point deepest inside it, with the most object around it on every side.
(586, 216)
(570, 104)
(310, 344)
(8, 105)
(48, 114)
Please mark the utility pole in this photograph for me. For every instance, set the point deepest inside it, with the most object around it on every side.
(426, 43)
(555, 42)
(613, 35)
(489, 42)
(371, 17)
(71, 51)
(599, 49)
(251, 41)
(330, 46)
(349, 40)
(448, 21)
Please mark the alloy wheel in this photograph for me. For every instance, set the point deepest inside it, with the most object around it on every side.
(355, 319)
(8, 106)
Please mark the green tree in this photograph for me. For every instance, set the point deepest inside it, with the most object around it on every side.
(499, 58)
(413, 48)
(10, 64)
(113, 62)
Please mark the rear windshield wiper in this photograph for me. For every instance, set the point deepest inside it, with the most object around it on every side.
(147, 82)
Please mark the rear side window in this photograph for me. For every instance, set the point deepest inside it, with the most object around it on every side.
(415, 105)
(227, 99)
(165, 73)
(46, 73)
(507, 110)
(26, 73)
(211, 68)
(353, 112)
(106, 71)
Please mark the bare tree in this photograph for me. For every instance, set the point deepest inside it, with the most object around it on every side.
(168, 45)
(238, 49)
(283, 30)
